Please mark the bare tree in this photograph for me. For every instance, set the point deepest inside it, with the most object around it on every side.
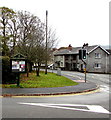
(13, 29)
(52, 41)
(25, 33)
(31, 36)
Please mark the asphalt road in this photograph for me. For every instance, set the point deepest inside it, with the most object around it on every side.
(91, 105)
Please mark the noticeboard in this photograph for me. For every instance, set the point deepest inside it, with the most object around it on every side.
(18, 64)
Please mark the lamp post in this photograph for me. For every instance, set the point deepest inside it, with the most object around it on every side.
(46, 43)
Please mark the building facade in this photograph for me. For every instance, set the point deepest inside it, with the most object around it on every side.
(98, 59)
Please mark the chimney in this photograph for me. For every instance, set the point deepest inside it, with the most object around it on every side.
(70, 47)
(85, 45)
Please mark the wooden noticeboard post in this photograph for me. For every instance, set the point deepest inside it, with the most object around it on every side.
(18, 65)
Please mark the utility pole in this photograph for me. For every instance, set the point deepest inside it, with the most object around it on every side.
(46, 43)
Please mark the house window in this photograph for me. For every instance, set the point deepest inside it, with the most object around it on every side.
(97, 55)
(97, 65)
(61, 63)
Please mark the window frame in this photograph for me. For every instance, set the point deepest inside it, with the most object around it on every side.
(97, 65)
(97, 55)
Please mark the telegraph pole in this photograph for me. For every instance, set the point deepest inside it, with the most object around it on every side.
(46, 43)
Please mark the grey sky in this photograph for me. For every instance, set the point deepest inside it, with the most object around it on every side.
(76, 21)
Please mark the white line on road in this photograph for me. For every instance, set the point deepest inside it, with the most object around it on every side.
(90, 108)
(73, 76)
(104, 88)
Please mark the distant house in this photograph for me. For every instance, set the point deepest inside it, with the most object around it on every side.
(97, 59)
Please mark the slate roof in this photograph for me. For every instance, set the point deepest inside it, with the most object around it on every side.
(109, 50)
(75, 50)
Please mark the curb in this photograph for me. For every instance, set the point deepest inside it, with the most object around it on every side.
(49, 94)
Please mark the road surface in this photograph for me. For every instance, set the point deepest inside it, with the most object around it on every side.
(91, 105)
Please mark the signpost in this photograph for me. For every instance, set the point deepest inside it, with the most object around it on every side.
(18, 65)
(82, 56)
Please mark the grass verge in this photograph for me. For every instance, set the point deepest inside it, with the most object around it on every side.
(43, 81)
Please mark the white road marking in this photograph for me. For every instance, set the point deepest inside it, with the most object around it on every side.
(79, 80)
(73, 76)
(92, 76)
(104, 88)
(90, 108)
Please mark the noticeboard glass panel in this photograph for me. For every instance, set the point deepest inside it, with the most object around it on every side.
(18, 65)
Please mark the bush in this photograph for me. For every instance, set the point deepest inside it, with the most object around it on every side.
(7, 76)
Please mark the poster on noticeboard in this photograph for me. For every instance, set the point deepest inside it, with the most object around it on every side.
(18, 65)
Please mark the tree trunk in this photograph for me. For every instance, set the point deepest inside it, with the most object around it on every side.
(38, 69)
(27, 70)
(30, 69)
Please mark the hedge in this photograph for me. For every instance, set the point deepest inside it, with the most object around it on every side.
(7, 76)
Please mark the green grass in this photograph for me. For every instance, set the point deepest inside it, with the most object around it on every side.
(43, 81)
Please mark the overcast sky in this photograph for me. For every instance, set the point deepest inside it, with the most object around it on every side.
(76, 21)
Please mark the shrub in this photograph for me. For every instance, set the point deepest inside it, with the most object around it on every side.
(7, 76)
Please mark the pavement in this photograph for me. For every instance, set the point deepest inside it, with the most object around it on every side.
(80, 88)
